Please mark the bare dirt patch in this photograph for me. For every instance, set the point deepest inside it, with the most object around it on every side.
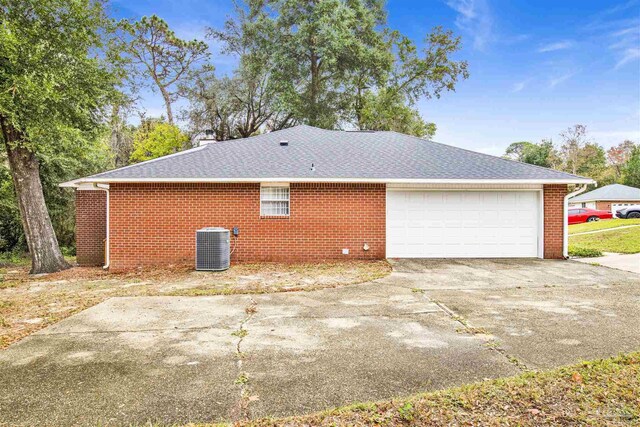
(29, 303)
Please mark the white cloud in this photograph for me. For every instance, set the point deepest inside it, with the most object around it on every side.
(561, 45)
(518, 86)
(474, 17)
(555, 81)
(628, 56)
(620, 7)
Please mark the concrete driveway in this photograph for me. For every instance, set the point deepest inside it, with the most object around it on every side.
(430, 324)
(627, 262)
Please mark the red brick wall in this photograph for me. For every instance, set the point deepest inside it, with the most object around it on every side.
(156, 223)
(91, 226)
(606, 206)
(554, 220)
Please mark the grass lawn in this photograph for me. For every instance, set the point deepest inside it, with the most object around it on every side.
(28, 304)
(602, 225)
(626, 241)
(601, 392)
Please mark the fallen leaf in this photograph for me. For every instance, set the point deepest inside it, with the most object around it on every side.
(576, 377)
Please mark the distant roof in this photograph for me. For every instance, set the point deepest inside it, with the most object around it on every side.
(613, 192)
(314, 154)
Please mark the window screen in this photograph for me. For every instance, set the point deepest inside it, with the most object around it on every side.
(274, 201)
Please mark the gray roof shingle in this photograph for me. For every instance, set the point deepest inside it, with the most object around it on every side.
(334, 155)
(614, 192)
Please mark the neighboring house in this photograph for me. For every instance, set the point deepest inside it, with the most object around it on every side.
(307, 194)
(608, 198)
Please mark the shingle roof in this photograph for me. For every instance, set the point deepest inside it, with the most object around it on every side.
(613, 192)
(318, 154)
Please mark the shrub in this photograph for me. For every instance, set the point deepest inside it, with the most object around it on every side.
(578, 251)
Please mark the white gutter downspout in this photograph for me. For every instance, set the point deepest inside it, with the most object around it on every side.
(105, 188)
(565, 226)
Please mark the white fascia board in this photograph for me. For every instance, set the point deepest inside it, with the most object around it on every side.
(75, 183)
(618, 199)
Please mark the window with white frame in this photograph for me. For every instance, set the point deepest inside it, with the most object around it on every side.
(274, 201)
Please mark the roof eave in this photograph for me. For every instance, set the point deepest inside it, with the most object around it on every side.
(76, 183)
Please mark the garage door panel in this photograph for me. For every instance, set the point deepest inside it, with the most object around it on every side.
(462, 224)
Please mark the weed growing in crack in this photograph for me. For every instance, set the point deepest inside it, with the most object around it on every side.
(492, 344)
(242, 379)
(472, 331)
(417, 290)
(240, 333)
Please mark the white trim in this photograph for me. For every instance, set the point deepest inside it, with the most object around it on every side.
(541, 224)
(76, 182)
(453, 187)
(604, 200)
(107, 254)
(279, 185)
(274, 184)
(565, 220)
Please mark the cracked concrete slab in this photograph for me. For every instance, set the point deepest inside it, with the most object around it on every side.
(181, 359)
(572, 312)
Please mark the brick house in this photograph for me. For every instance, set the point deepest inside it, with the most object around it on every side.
(608, 198)
(307, 194)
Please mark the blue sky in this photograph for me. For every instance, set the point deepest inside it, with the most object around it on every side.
(537, 67)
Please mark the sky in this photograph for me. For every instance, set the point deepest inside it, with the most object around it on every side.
(536, 67)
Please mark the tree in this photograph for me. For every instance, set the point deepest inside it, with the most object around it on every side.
(543, 154)
(154, 138)
(592, 162)
(411, 77)
(155, 52)
(328, 63)
(234, 107)
(574, 140)
(54, 87)
(618, 156)
(120, 138)
(631, 171)
(387, 111)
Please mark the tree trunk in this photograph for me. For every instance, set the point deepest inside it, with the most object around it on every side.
(36, 223)
(167, 103)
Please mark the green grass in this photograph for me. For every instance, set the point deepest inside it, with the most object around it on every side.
(625, 241)
(583, 252)
(599, 392)
(602, 225)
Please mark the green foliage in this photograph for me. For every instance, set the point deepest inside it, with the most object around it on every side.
(407, 412)
(580, 156)
(82, 158)
(331, 63)
(543, 154)
(154, 139)
(11, 235)
(631, 171)
(55, 79)
(581, 252)
(388, 111)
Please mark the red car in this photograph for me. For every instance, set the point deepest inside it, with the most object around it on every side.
(578, 215)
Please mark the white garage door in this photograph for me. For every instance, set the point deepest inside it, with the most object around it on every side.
(460, 224)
